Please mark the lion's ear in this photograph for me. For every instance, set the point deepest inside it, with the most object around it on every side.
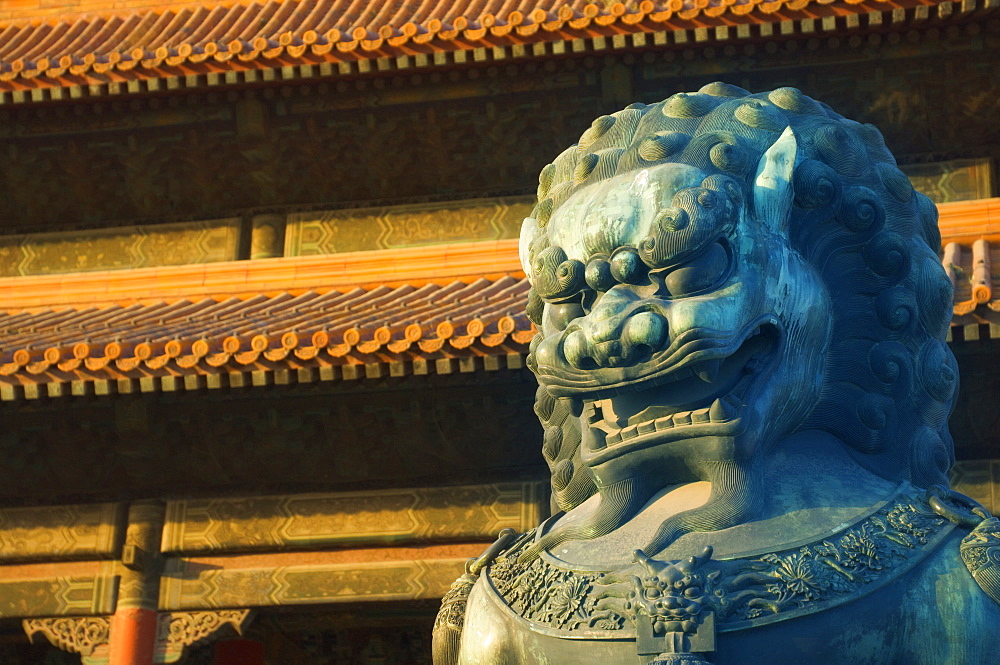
(529, 228)
(772, 188)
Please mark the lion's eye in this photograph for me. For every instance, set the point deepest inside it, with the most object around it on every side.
(700, 273)
(561, 314)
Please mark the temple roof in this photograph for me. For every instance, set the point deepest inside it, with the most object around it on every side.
(194, 42)
(373, 330)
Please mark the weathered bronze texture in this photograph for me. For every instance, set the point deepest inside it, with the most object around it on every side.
(744, 387)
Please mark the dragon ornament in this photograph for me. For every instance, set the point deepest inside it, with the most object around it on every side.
(744, 391)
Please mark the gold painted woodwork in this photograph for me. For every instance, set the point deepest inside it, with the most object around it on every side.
(954, 180)
(86, 636)
(141, 563)
(357, 230)
(60, 532)
(349, 230)
(119, 248)
(90, 636)
(193, 584)
(267, 236)
(48, 590)
(303, 521)
(179, 630)
(979, 479)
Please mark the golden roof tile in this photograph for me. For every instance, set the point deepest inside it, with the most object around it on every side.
(304, 331)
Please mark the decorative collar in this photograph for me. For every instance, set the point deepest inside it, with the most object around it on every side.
(677, 597)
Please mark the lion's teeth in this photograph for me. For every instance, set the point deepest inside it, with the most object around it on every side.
(708, 371)
(647, 427)
(682, 418)
(598, 441)
(629, 432)
(700, 416)
(721, 411)
(663, 423)
(613, 438)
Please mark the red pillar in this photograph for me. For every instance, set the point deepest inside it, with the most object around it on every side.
(135, 623)
(133, 636)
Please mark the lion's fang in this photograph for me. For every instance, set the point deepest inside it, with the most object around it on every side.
(721, 411)
(708, 371)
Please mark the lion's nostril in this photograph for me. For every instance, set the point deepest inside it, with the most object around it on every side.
(645, 329)
(577, 350)
(546, 353)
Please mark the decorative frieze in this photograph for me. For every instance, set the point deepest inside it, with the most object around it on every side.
(476, 512)
(179, 630)
(258, 581)
(357, 230)
(90, 636)
(979, 479)
(119, 248)
(66, 589)
(59, 532)
(954, 180)
(87, 636)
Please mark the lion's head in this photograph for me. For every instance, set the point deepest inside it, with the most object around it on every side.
(720, 270)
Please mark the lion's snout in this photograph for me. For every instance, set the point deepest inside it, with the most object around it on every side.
(616, 333)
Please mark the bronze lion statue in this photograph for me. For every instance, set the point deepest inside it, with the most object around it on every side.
(745, 390)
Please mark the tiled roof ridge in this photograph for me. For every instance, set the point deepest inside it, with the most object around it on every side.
(309, 332)
(192, 39)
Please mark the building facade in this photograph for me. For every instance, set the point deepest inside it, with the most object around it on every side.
(262, 336)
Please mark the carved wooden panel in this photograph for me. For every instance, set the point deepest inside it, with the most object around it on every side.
(979, 479)
(60, 532)
(119, 248)
(87, 636)
(206, 583)
(45, 590)
(953, 180)
(323, 520)
(330, 232)
(177, 631)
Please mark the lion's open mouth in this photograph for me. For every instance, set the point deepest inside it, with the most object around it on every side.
(700, 399)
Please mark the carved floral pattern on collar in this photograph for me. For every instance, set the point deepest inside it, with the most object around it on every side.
(743, 592)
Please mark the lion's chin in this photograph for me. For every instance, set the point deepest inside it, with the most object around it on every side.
(705, 400)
